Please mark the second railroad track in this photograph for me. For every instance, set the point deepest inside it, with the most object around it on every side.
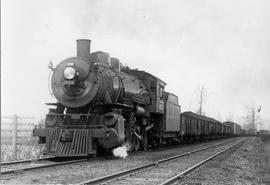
(29, 165)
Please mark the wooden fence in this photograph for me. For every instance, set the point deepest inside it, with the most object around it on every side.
(14, 129)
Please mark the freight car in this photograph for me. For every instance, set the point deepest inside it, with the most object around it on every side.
(101, 105)
(227, 131)
(252, 131)
(243, 132)
(236, 127)
(197, 127)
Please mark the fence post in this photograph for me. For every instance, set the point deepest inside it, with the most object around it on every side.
(14, 137)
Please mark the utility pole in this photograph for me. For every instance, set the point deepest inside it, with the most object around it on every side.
(255, 125)
(259, 122)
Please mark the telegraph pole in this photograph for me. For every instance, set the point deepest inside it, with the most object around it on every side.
(259, 122)
(253, 117)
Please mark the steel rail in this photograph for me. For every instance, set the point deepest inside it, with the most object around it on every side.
(128, 172)
(189, 170)
(29, 168)
(25, 161)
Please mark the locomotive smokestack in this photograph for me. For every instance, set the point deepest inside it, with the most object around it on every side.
(83, 48)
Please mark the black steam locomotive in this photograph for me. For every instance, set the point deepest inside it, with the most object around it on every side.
(101, 105)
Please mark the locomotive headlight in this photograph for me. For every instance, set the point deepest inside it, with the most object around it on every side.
(69, 73)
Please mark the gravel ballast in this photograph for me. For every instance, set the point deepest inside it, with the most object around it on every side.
(249, 164)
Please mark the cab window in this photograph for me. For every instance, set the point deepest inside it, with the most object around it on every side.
(161, 89)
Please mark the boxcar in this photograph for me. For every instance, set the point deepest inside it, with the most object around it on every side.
(243, 132)
(190, 125)
(236, 127)
(252, 131)
(227, 130)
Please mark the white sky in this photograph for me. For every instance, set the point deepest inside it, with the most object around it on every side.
(223, 45)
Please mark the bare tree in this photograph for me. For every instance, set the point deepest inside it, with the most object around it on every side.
(202, 95)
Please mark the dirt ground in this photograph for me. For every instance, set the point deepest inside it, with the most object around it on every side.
(247, 165)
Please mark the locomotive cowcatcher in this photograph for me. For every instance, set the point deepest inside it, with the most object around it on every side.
(101, 105)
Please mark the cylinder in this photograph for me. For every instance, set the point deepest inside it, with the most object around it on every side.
(83, 48)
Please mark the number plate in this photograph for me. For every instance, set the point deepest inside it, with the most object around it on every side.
(69, 82)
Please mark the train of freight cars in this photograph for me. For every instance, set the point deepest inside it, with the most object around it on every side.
(101, 105)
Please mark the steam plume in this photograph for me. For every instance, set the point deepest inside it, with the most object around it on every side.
(121, 151)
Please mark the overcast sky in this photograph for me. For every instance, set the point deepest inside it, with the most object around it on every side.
(222, 45)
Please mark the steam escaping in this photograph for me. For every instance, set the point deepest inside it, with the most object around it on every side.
(121, 151)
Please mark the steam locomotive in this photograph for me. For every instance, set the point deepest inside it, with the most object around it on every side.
(101, 105)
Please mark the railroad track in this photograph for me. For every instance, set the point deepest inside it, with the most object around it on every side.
(186, 172)
(164, 171)
(25, 161)
(29, 165)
